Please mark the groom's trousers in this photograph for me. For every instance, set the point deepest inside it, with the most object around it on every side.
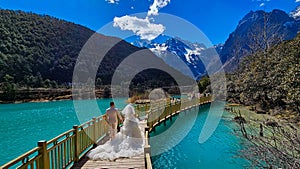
(113, 129)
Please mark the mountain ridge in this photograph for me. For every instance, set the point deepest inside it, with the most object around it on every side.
(256, 31)
(41, 51)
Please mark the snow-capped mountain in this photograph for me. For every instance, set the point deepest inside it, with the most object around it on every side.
(255, 32)
(180, 54)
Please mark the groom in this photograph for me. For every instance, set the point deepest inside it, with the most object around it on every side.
(112, 115)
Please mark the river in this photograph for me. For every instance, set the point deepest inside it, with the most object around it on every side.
(23, 125)
(221, 150)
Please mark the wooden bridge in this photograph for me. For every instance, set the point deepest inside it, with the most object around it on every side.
(69, 149)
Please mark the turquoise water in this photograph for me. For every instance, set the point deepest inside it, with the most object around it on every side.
(23, 125)
(219, 151)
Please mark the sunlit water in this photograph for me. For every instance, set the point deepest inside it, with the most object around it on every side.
(219, 151)
(23, 125)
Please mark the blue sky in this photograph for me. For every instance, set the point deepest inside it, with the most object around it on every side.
(216, 18)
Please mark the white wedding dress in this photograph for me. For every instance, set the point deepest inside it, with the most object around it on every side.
(129, 142)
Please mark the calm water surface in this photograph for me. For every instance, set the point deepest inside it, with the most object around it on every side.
(23, 125)
(218, 152)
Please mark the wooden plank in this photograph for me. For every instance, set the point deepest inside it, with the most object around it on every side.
(137, 162)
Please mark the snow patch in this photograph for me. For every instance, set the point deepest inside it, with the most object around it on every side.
(191, 53)
(296, 13)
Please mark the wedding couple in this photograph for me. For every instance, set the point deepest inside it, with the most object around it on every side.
(129, 142)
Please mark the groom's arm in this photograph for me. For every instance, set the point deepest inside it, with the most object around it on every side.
(105, 116)
(119, 115)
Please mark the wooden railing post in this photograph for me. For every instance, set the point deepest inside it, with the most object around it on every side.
(76, 144)
(44, 160)
(147, 145)
(95, 131)
(147, 152)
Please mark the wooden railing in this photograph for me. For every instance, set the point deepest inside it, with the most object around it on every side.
(160, 112)
(68, 148)
(63, 150)
(147, 151)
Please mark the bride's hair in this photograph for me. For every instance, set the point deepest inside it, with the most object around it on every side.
(132, 99)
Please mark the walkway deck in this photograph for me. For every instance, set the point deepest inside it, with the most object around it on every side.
(65, 150)
(123, 163)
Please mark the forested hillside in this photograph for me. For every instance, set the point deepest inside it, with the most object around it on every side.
(41, 51)
(269, 80)
(35, 48)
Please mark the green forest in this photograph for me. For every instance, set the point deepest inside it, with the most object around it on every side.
(270, 79)
(40, 51)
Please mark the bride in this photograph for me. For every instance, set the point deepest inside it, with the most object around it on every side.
(128, 142)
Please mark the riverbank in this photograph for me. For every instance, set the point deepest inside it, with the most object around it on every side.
(44, 95)
(290, 119)
(273, 141)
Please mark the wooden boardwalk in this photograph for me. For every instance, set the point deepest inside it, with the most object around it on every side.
(123, 163)
(137, 162)
(69, 148)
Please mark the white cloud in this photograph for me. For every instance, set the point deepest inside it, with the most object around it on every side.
(261, 3)
(157, 4)
(141, 27)
(297, 1)
(112, 1)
